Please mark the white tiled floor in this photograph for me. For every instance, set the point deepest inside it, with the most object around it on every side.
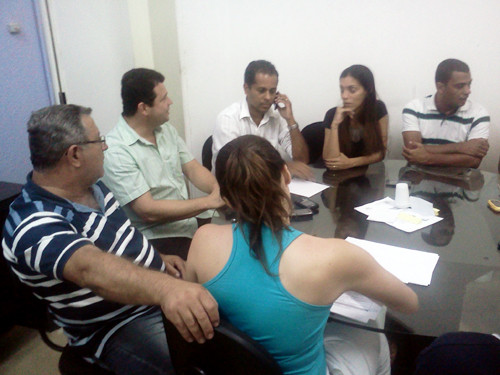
(22, 352)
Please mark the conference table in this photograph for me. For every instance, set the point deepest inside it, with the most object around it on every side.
(464, 294)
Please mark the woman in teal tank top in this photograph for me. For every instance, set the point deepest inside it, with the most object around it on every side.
(270, 280)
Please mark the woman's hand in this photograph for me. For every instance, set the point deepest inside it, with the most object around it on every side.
(331, 146)
(340, 114)
(338, 163)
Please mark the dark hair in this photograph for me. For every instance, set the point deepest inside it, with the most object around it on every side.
(259, 66)
(352, 193)
(366, 116)
(446, 68)
(248, 170)
(51, 130)
(137, 86)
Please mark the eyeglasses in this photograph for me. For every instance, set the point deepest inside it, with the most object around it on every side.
(102, 139)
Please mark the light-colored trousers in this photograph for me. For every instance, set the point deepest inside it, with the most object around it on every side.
(355, 351)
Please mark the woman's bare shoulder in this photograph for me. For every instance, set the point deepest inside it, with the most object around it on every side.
(322, 245)
(208, 231)
(328, 254)
(209, 239)
(313, 268)
(209, 251)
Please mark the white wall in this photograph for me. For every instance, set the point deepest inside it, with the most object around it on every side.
(166, 55)
(94, 48)
(311, 42)
(140, 29)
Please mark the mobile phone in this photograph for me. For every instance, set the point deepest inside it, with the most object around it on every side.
(302, 202)
(301, 214)
(494, 204)
(280, 105)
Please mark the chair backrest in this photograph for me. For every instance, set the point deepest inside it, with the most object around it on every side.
(206, 154)
(19, 305)
(314, 135)
(72, 363)
(230, 351)
(460, 353)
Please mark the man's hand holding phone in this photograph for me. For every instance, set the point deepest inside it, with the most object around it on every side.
(284, 107)
(281, 103)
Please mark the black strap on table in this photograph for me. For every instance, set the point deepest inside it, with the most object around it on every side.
(368, 328)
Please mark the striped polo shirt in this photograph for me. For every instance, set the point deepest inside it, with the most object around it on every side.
(41, 233)
(470, 121)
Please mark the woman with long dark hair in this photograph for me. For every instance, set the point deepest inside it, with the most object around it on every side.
(277, 284)
(356, 133)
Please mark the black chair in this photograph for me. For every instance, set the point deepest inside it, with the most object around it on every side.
(314, 135)
(21, 307)
(72, 363)
(206, 154)
(460, 353)
(230, 351)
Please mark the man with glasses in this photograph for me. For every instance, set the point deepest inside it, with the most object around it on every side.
(67, 238)
(146, 165)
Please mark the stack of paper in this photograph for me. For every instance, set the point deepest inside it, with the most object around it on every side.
(356, 306)
(419, 215)
(410, 266)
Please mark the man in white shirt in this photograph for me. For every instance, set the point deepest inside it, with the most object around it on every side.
(446, 128)
(267, 113)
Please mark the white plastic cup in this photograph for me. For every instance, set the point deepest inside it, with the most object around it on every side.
(402, 199)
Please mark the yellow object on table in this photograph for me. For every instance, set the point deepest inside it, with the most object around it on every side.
(409, 218)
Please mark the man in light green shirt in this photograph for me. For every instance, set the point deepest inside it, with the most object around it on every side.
(146, 162)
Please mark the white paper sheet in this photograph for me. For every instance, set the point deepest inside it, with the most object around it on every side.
(418, 216)
(410, 266)
(422, 207)
(305, 188)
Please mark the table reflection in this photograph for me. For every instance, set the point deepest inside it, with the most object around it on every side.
(350, 189)
(442, 187)
(440, 233)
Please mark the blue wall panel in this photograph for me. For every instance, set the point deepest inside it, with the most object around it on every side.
(24, 85)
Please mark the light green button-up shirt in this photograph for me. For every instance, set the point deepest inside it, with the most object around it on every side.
(133, 166)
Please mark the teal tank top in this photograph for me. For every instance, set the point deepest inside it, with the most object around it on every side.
(258, 304)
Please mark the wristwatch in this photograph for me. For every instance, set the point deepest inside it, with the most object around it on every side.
(293, 127)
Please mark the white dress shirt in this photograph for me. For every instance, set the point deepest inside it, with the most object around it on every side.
(235, 121)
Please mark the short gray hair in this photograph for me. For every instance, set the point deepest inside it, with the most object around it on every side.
(52, 130)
